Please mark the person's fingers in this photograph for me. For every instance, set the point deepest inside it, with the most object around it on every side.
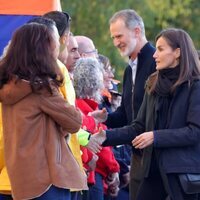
(139, 145)
(137, 141)
(95, 147)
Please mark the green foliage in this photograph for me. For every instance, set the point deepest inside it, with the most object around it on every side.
(91, 18)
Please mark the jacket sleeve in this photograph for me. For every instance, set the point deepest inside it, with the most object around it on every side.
(126, 134)
(64, 114)
(190, 133)
(118, 118)
(107, 161)
(86, 155)
(89, 123)
(83, 137)
(122, 154)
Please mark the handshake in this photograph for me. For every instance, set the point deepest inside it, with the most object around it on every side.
(96, 140)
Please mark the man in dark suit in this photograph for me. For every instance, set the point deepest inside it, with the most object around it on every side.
(128, 34)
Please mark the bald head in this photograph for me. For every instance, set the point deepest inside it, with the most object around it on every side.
(86, 47)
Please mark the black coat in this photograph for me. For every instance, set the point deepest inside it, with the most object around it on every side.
(146, 66)
(132, 99)
(178, 146)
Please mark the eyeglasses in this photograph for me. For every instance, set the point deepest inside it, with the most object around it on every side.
(92, 51)
(110, 70)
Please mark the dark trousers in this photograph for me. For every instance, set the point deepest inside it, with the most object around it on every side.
(96, 192)
(153, 188)
(5, 197)
(76, 195)
(55, 193)
(123, 194)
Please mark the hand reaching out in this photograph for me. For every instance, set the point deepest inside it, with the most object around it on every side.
(93, 145)
(99, 115)
(96, 141)
(143, 140)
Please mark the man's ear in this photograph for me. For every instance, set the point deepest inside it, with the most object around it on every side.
(137, 31)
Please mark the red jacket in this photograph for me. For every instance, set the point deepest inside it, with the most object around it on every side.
(106, 163)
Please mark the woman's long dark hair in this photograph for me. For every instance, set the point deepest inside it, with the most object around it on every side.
(188, 61)
(30, 56)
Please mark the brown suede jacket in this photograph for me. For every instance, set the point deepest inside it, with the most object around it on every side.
(35, 128)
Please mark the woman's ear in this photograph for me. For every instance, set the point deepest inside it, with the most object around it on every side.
(64, 39)
(178, 53)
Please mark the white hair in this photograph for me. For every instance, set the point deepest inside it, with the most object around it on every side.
(88, 79)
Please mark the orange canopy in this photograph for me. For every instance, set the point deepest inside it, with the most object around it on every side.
(28, 7)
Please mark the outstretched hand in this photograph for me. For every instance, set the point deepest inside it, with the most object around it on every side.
(93, 145)
(99, 115)
(143, 140)
(96, 141)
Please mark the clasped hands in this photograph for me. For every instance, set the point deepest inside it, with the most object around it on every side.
(141, 141)
(113, 184)
(97, 139)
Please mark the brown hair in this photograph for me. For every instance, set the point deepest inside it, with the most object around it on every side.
(188, 61)
(62, 20)
(30, 57)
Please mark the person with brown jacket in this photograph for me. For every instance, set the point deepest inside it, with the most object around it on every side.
(36, 118)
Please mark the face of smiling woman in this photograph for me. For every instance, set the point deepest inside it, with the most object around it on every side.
(165, 56)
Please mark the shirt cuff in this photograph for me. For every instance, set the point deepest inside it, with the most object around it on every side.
(83, 137)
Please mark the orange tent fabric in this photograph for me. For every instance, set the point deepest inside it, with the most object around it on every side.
(14, 13)
(28, 7)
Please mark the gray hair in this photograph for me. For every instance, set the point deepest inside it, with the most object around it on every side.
(130, 18)
(88, 79)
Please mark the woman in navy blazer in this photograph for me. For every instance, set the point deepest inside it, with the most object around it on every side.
(167, 127)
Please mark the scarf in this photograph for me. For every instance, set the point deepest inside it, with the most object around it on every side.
(165, 81)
